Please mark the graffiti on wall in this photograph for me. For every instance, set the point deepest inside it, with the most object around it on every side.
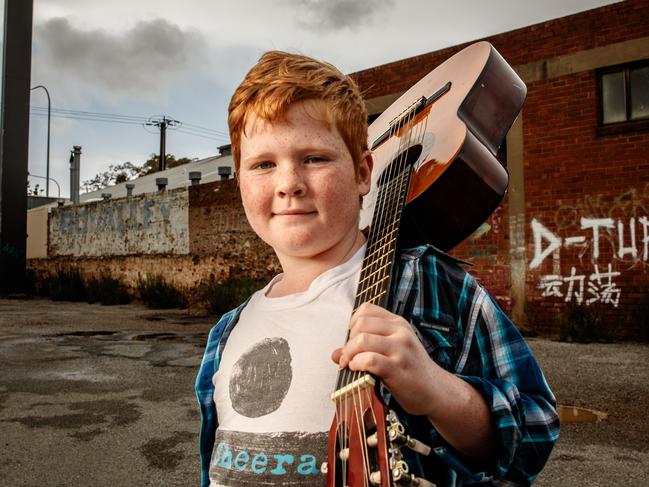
(138, 225)
(477, 248)
(609, 238)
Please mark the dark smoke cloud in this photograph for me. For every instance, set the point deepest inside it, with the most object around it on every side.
(146, 57)
(332, 15)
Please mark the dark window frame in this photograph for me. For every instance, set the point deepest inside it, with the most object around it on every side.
(627, 125)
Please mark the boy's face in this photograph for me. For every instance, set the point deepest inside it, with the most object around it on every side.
(298, 184)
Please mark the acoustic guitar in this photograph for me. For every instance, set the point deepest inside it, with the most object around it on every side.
(436, 180)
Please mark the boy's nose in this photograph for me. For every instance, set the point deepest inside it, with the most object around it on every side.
(291, 183)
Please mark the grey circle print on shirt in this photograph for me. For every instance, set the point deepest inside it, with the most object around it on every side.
(261, 378)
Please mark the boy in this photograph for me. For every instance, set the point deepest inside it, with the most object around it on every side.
(457, 370)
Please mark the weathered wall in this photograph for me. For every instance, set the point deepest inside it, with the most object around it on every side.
(191, 237)
(587, 204)
(218, 226)
(152, 223)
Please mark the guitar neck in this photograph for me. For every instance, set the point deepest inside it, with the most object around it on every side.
(374, 282)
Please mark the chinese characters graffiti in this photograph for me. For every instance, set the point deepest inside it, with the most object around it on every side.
(629, 242)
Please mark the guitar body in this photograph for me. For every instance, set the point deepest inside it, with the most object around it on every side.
(457, 181)
(436, 179)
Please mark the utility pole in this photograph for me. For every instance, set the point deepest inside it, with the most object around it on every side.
(162, 124)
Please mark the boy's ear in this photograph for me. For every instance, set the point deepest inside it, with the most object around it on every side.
(364, 173)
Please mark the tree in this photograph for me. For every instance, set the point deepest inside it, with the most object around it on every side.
(152, 164)
(35, 190)
(120, 173)
(117, 173)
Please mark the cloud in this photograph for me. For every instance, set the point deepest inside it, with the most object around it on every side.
(143, 60)
(333, 15)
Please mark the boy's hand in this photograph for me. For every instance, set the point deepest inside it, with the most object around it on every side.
(385, 345)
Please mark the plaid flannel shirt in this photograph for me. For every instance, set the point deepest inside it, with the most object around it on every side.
(464, 331)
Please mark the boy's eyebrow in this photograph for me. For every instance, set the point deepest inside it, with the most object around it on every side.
(299, 151)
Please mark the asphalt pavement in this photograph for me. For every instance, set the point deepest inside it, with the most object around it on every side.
(103, 396)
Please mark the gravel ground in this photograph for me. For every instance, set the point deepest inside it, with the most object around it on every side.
(103, 396)
(611, 378)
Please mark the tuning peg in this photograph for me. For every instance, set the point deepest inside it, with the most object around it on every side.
(417, 446)
(375, 478)
(344, 454)
(372, 440)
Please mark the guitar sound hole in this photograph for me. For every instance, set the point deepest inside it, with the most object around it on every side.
(404, 159)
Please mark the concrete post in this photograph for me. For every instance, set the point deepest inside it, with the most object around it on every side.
(75, 165)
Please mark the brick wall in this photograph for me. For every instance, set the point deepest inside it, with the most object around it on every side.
(218, 227)
(573, 182)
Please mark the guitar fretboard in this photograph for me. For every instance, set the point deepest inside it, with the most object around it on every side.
(374, 283)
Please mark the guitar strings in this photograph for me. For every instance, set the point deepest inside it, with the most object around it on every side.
(374, 272)
(389, 217)
(361, 297)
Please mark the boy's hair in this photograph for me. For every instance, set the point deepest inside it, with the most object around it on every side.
(280, 79)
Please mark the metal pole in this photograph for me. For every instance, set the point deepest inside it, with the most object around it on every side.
(16, 73)
(162, 162)
(49, 117)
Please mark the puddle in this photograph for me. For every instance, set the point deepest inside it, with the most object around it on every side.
(574, 414)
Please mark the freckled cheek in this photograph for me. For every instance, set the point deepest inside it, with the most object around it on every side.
(254, 202)
(342, 200)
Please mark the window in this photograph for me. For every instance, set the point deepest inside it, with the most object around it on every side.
(623, 95)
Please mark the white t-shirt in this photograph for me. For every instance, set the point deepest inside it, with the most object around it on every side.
(275, 378)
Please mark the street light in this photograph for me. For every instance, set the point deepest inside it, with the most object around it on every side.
(47, 168)
(49, 179)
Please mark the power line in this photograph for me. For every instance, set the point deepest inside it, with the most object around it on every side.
(90, 119)
(195, 134)
(198, 127)
(189, 129)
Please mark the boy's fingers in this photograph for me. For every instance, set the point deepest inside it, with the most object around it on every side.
(335, 355)
(371, 362)
(376, 326)
(367, 342)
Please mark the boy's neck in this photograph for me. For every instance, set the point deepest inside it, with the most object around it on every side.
(299, 273)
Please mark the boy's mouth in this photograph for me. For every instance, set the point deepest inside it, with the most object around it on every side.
(294, 213)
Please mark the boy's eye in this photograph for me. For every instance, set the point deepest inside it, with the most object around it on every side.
(314, 159)
(264, 165)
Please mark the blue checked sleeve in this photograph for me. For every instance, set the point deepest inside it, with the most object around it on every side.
(497, 361)
(465, 331)
(204, 388)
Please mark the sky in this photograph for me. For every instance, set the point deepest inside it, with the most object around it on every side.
(111, 67)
